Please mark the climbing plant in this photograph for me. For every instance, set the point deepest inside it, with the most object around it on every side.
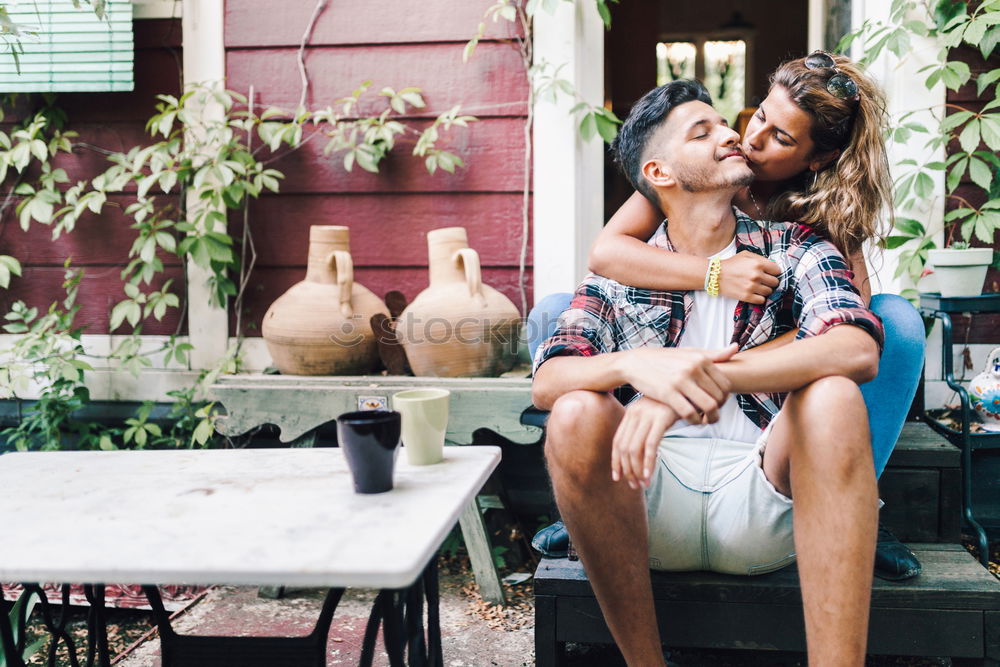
(973, 133)
(209, 147)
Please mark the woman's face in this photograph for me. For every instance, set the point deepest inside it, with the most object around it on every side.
(777, 143)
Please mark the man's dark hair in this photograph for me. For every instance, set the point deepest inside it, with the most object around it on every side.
(648, 114)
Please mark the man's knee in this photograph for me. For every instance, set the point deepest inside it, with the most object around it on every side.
(829, 399)
(578, 424)
(833, 420)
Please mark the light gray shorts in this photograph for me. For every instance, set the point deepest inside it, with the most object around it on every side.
(710, 507)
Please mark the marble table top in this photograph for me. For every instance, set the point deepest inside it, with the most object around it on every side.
(246, 517)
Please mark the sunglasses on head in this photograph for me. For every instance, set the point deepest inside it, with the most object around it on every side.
(840, 85)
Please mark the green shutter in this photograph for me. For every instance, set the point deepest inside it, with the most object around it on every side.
(73, 50)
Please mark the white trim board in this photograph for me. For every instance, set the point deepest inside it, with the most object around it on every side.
(157, 9)
(568, 172)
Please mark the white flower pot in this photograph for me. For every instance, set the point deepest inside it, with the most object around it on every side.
(960, 272)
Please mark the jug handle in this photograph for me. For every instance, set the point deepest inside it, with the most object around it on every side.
(344, 266)
(473, 273)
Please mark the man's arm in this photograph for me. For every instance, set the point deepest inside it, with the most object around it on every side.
(686, 379)
(844, 350)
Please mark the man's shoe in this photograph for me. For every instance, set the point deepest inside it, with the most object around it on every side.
(552, 541)
(893, 559)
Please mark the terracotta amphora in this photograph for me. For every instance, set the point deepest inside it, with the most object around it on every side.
(320, 326)
(458, 327)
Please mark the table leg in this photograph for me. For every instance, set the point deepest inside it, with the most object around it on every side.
(206, 651)
(392, 628)
(417, 645)
(430, 581)
(97, 629)
(396, 609)
(371, 632)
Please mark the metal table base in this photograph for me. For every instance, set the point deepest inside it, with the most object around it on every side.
(399, 612)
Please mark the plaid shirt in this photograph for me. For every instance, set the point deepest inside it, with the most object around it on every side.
(814, 294)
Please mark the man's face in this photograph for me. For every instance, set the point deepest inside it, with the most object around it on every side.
(700, 150)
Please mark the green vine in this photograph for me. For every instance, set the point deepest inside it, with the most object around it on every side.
(954, 24)
(213, 150)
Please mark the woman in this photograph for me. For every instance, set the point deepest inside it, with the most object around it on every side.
(815, 146)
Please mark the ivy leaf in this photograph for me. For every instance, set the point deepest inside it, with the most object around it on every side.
(588, 127)
(969, 139)
(893, 242)
(989, 127)
(910, 227)
(8, 266)
(946, 11)
(955, 74)
(202, 432)
(980, 173)
(989, 42)
(974, 32)
(986, 225)
(606, 127)
(956, 173)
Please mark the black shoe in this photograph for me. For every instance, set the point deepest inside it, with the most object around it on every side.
(552, 541)
(893, 560)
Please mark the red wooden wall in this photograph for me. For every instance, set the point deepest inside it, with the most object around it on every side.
(100, 244)
(393, 43)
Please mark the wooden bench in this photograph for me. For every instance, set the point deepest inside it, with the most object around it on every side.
(951, 610)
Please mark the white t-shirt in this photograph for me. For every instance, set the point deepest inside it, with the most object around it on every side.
(710, 326)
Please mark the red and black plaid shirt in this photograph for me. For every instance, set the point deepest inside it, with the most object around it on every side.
(814, 294)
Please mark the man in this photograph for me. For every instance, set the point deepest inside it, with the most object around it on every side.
(716, 492)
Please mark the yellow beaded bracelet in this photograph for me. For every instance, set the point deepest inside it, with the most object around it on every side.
(712, 276)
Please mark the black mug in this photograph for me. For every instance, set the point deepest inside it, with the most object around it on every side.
(370, 441)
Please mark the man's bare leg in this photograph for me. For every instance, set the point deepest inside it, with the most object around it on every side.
(606, 519)
(820, 450)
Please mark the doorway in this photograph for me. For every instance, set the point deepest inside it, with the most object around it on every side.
(730, 45)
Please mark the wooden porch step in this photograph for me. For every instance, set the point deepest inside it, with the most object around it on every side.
(922, 486)
(951, 610)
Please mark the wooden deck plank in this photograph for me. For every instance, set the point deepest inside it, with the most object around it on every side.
(920, 447)
(928, 632)
(952, 579)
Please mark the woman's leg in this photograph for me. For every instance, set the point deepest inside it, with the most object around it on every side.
(888, 398)
(553, 540)
(889, 395)
(542, 318)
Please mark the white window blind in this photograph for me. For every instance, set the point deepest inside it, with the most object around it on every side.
(72, 49)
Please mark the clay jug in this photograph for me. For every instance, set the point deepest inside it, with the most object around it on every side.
(458, 327)
(320, 326)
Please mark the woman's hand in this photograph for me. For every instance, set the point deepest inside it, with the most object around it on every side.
(634, 447)
(748, 277)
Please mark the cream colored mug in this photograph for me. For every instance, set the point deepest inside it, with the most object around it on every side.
(425, 420)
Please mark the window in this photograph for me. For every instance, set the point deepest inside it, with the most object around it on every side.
(70, 49)
(719, 61)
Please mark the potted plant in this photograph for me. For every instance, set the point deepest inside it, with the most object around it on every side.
(960, 270)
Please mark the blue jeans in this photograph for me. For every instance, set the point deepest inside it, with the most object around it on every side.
(887, 397)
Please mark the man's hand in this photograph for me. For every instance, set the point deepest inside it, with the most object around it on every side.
(684, 379)
(746, 276)
(633, 450)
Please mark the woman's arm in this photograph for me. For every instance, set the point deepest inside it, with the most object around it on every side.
(620, 252)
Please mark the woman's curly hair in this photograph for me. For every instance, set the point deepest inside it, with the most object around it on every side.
(845, 200)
